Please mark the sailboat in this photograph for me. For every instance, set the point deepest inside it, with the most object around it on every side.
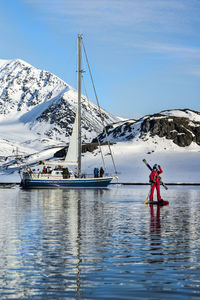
(64, 177)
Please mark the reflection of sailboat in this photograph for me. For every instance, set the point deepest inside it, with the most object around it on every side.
(63, 177)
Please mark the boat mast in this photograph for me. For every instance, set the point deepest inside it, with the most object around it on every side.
(79, 106)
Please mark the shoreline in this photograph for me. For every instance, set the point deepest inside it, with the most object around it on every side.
(170, 183)
(122, 183)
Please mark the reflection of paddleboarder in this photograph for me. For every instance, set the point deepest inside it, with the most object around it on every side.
(155, 182)
(155, 219)
(155, 228)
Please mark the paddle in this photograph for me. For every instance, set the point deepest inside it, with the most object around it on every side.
(147, 198)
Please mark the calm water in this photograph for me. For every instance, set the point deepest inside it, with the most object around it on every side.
(99, 244)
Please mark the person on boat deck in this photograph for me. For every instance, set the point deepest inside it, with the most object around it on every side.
(101, 172)
(155, 182)
(95, 172)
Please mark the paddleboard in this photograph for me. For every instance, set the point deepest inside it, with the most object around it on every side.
(157, 203)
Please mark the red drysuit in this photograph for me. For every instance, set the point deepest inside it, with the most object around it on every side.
(154, 179)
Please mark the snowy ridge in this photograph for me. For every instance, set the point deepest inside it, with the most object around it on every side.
(182, 127)
(186, 113)
(3, 62)
(23, 86)
(37, 106)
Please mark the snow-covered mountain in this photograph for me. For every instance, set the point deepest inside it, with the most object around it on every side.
(182, 127)
(37, 108)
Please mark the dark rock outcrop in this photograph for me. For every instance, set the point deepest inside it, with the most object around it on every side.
(182, 131)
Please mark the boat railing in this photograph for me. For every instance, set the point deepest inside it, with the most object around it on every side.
(91, 175)
(41, 175)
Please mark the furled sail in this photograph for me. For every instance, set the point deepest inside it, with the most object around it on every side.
(72, 153)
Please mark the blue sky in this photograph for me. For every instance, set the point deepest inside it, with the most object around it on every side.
(144, 54)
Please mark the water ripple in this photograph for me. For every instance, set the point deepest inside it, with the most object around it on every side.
(99, 244)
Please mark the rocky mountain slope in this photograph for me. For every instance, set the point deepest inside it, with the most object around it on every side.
(182, 127)
(42, 105)
(37, 111)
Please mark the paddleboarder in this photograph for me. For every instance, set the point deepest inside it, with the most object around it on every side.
(155, 182)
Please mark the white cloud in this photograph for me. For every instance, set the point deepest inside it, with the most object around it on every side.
(195, 72)
(136, 15)
(157, 26)
(168, 48)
